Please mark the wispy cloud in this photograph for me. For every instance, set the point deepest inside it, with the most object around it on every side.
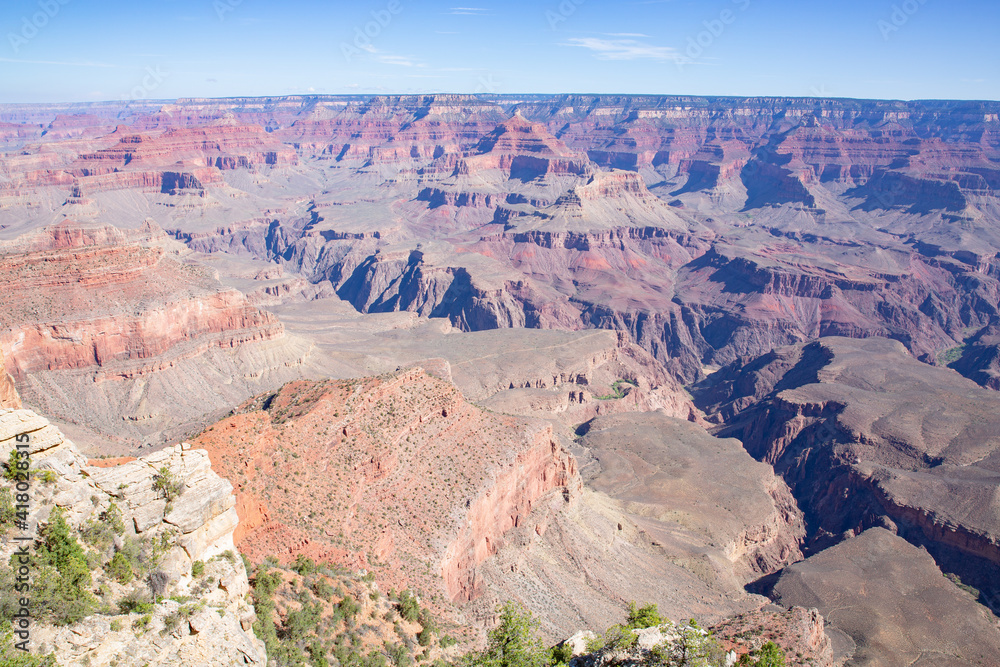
(402, 61)
(625, 34)
(60, 63)
(469, 11)
(625, 49)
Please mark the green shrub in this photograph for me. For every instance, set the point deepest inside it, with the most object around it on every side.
(197, 568)
(135, 602)
(14, 657)
(15, 467)
(120, 569)
(62, 580)
(8, 513)
(349, 606)
(299, 622)
(955, 579)
(643, 617)
(513, 643)
(166, 484)
(304, 565)
(561, 654)
(322, 588)
(399, 655)
(693, 647)
(409, 608)
(768, 655)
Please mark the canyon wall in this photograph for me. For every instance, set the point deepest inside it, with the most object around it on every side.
(99, 325)
(891, 443)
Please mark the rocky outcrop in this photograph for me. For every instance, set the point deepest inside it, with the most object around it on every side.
(8, 392)
(197, 525)
(669, 470)
(801, 634)
(979, 359)
(401, 470)
(502, 507)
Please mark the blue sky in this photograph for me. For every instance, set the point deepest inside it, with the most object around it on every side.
(85, 50)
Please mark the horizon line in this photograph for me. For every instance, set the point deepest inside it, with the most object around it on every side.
(499, 96)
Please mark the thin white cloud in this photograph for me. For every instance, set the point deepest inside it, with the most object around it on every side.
(625, 49)
(625, 34)
(393, 59)
(61, 63)
(469, 11)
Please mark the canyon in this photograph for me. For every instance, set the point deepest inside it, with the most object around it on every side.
(566, 350)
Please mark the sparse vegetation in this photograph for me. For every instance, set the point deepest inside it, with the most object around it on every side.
(957, 580)
(62, 578)
(513, 643)
(643, 617)
(166, 484)
(616, 390)
(951, 355)
(768, 655)
(326, 617)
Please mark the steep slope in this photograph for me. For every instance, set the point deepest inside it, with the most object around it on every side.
(705, 228)
(668, 514)
(979, 358)
(405, 478)
(571, 376)
(139, 549)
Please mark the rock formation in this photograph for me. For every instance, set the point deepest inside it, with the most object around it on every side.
(891, 442)
(99, 325)
(800, 632)
(403, 473)
(558, 260)
(893, 603)
(704, 228)
(8, 392)
(196, 525)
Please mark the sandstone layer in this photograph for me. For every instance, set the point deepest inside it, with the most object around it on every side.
(668, 515)
(8, 392)
(104, 327)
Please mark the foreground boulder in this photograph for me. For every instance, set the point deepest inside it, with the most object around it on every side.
(165, 585)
